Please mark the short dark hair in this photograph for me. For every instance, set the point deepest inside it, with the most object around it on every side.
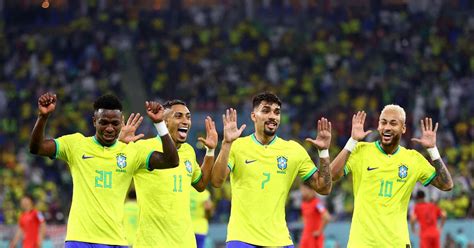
(32, 199)
(420, 195)
(267, 97)
(107, 101)
(171, 103)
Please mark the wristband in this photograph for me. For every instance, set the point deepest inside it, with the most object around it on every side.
(323, 153)
(434, 153)
(161, 128)
(210, 152)
(351, 144)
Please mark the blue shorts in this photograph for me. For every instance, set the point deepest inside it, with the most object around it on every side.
(200, 240)
(77, 244)
(240, 244)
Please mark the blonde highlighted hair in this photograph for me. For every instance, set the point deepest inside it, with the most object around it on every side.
(396, 108)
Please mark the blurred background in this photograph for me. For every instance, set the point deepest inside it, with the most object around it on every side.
(321, 57)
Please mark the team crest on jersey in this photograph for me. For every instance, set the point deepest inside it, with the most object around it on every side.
(282, 163)
(402, 171)
(121, 162)
(189, 166)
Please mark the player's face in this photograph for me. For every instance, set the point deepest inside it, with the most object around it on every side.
(26, 203)
(266, 118)
(306, 192)
(108, 124)
(391, 127)
(178, 121)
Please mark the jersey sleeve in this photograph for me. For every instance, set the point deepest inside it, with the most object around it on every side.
(145, 149)
(352, 161)
(40, 217)
(426, 172)
(197, 173)
(320, 207)
(65, 146)
(231, 161)
(306, 167)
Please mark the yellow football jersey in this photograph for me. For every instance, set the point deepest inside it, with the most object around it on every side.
(198, 213)
(130, 221)
(261, 177)
(101, 177)
(164, 201)
(382, 186)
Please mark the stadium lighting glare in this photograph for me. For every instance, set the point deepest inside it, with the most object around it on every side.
(45, 4)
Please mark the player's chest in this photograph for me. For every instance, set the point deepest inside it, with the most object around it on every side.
(274, 162)
(389, 168)
(103, 159)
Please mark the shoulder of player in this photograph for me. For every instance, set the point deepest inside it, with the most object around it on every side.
(242, 141)
(73, 136)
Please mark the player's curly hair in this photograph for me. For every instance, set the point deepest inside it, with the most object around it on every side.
(107, 101)
(267, 97)
(170, 103)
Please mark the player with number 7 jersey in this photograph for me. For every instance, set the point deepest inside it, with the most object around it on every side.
(262, 168)
(101, 169)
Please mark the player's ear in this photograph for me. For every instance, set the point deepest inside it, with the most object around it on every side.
(404, 128)
(94, 119)
(252, 116)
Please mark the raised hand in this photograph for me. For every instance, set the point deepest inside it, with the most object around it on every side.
(47, 103)
(323, 139)
(211, 134)
(127, 134)
(358, 121)
(231, 132)
(428, 134)
(155, 111)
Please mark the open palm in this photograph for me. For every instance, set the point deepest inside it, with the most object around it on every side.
(323, 139)
(211, 134)
(231, 132)
(428, 134)
(358, 121)
(127, 133)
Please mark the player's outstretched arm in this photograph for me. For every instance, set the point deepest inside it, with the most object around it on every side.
(321, 180)
(127, 133)
(443, 180)
(39, 145)
(211, 143)
(220, 171)
(169, 157)
(357, 134)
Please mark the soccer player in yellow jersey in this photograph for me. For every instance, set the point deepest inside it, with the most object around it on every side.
(164, 196)
(201, 210)
(102, 168)
(130, 217)
(384, 175)
(262, 168)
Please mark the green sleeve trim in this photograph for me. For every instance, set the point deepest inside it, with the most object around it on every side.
(148, 161)
(55, 155)
(231, 170)
(428, 181)
(310, 174)
(346, 171)
(197, 179)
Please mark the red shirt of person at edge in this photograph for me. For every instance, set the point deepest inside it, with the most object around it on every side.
(315, 217)
(427, 215)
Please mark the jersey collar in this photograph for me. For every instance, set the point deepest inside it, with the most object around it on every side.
(377, 144)
(98, 143)
(254, 138)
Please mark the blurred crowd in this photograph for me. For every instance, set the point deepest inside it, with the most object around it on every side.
(321, 60)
